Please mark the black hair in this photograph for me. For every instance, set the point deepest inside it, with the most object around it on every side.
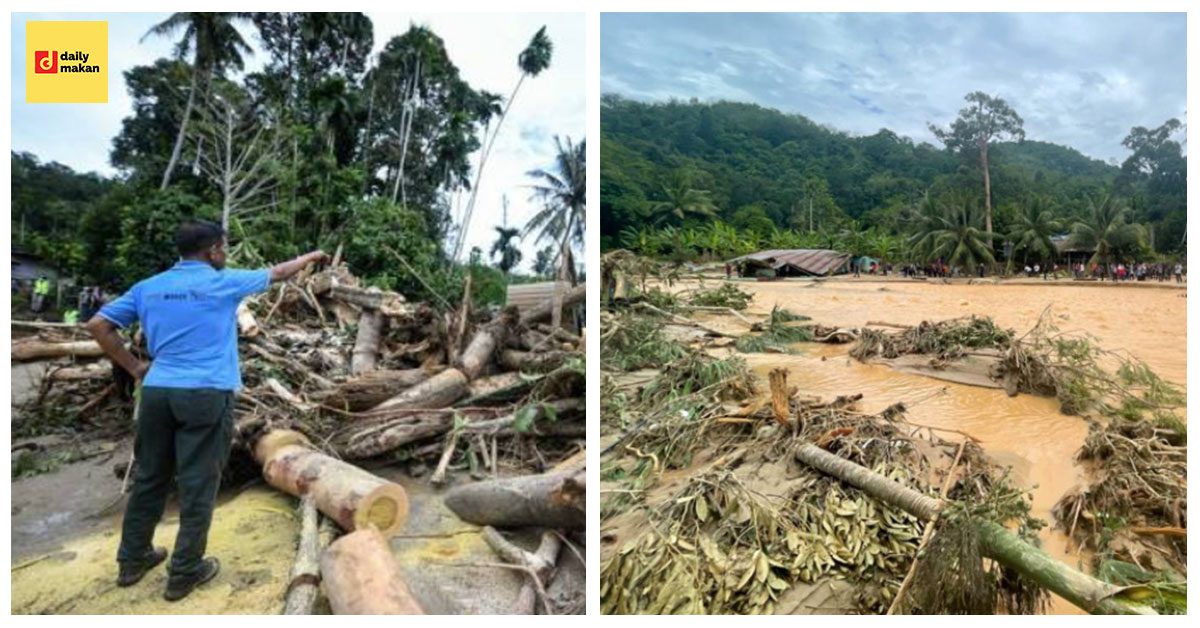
(193, 236)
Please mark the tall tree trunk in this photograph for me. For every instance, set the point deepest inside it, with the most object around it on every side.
(470, 210)
(227, 179)
(987, 190)
(406, 117)
(367, 139)
(999, 544)
(178, 148)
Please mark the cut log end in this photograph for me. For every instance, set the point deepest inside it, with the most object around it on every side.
(385, 509)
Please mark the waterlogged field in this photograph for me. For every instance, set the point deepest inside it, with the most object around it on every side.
(1026, 432)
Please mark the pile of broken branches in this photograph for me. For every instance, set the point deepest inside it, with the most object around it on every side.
(335, 371)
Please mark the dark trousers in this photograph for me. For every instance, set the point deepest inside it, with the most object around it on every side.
(183, 435)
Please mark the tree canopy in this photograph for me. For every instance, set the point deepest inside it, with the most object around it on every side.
(325, 145)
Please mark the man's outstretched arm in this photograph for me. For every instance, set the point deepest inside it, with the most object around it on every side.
(107, 336)
(286, 270)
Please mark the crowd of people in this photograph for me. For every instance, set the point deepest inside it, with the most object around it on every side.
(1139, 271)
(43, 293)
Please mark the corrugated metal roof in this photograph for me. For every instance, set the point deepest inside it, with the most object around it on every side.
(805, 261)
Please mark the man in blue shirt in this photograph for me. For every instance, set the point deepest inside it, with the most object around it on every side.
(185, 417)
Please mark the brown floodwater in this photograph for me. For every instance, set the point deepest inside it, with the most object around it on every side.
(1026, 433)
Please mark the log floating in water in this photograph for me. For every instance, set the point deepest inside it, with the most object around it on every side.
(999, 544)
(354, 498)
(554, 500)
(361, 577)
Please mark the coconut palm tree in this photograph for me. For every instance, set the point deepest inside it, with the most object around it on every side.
(1031, 232)
(952, 232)
(563, 193)
(216, 45)
(682, 201)
(504, 246)
(1107, 231)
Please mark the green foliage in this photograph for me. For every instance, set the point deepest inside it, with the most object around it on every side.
(728, 378)
(28, 463)
(777, 335)
(509, 254)
(358, 152)
(1032, 230)
(727, 295)
(637, 342)
(563, 193)
(952, 232)
(146, 244)
(1107, 230)
(1167, 589)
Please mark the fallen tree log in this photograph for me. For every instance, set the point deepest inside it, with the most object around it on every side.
(36, 349)
(95, 370)
(560, 334)
(533, 362)
(486, 341)
(354, 498)
(543, 312)
(305, 577)
(361, 577)
(387, 303)
(406, 427)
(373, 388)
(550, 500)
(998, 543)
(438, 391)
(366, 342)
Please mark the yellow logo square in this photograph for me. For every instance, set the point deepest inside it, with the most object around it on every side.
(66, 62)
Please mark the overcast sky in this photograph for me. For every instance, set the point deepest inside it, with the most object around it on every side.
(483, 46)
(1082, 80)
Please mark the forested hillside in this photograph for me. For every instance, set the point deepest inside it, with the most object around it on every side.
(770, 176)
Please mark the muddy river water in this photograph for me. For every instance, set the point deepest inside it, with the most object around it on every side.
(1025, 432)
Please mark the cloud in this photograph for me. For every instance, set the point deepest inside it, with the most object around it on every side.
(1082, 80)
(483, 46)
